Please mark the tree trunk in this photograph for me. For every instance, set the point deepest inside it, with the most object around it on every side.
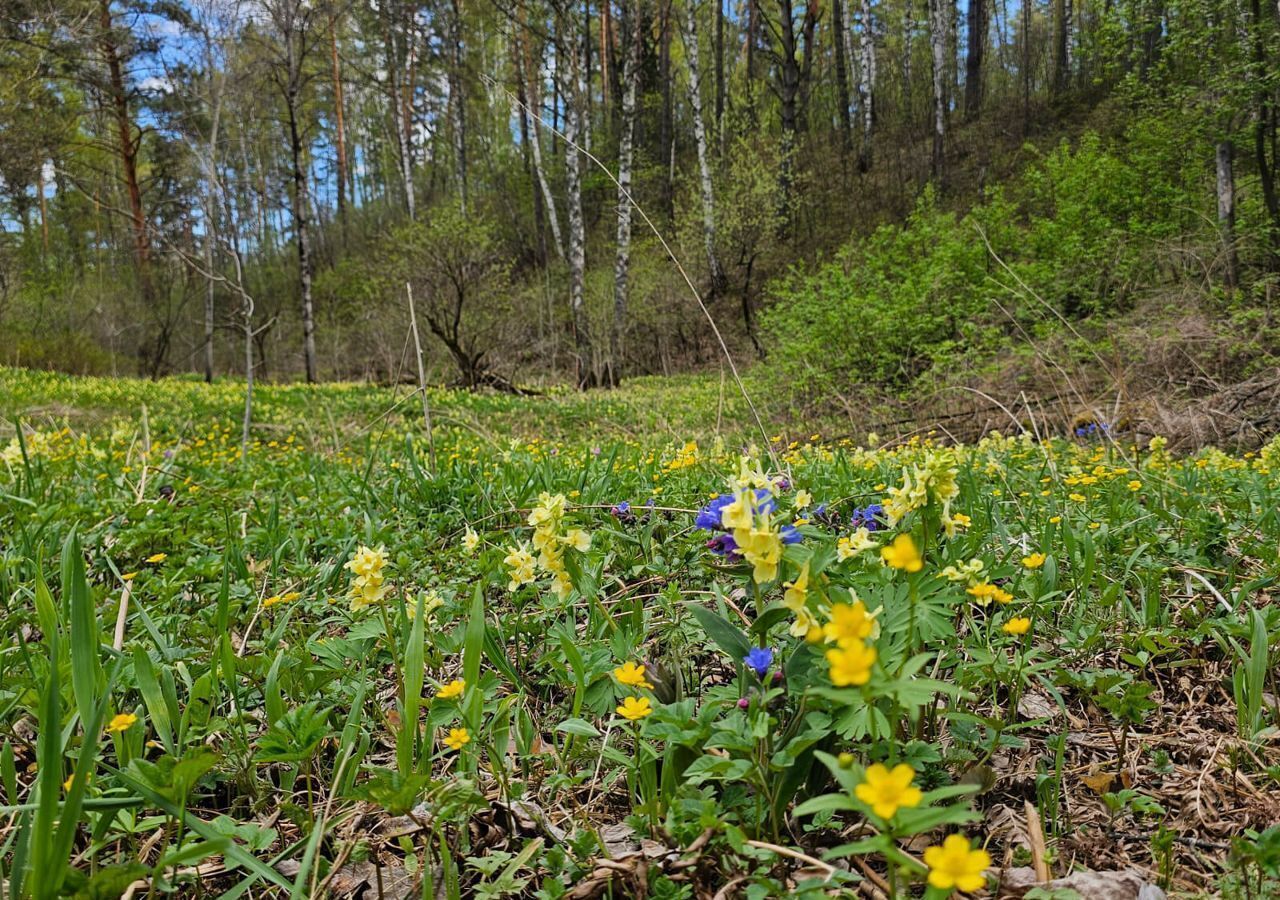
(700, 141)
(301, 212)
(569, 90)
(1264, 136)
(1060, 28)
(1227, 210)
(340, 136)
(666, 123)
(840, 35)
(720, 85)
(622, 263)
(457, 105)
(535, 148)
(908, 41)
(127, 150)
(788, 92)
(398, 123)
(866, 83)
(977, 39)
(938, 46)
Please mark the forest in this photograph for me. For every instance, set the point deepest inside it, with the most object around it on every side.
(581, 449)
(580, 193)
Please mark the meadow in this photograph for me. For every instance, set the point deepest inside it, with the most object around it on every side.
(621, 644)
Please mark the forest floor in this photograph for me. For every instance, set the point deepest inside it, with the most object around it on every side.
(623, 643)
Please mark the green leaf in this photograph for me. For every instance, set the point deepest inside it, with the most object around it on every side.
(728, 637)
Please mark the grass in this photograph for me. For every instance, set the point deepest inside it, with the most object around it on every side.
(213, 684)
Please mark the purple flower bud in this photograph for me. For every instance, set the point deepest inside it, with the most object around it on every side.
(743, 703)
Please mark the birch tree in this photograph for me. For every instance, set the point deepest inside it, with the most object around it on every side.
(706, 189)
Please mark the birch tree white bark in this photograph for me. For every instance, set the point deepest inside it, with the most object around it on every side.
(938, 28)
(690, 36)
(866, 82)
(622, 262)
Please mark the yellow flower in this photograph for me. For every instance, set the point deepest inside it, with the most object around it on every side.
(849, 624)
(520, 561)
(851, 665)
(470, 540)
(902, 554)
(578, 539)
(849, 547)
(157, 557)
(739, 513)
(762, 547)
(956, 864)
(1078, 498)
(452, 690)
(803, 499)
(548, 512)
(984, 592)
(797, 591)
(635, 708)
(1016, 625)
(121, 722)
(632, 675)
(66, 785)
(886, 791)
(1135, 485)
(1054, 520)
(457, 738)
(1034, 560)
(128, 576)
(367, 561)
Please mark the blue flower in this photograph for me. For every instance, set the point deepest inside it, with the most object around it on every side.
(723, 545)
(868, 517)
(790, 534)
(758, 660)
(708, 518)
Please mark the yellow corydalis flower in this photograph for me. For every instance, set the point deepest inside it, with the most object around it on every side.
(762, 547)
(470, 540)
(887, 790)
(452, 690)
(803, 499)
(633, 709)
(632, 675)
(519, 562)
(851, 546)
(956, 864)
(902, 554)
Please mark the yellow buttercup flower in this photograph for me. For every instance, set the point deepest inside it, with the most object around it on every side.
(956, 864)
(851, 666)
(885, 790)
(1034, 560)
(902, 554)
(1016, 625)
(452, 690)
(121, 722)
(632, 675)
(457, 738)
(984, 592)
(157, 557)
(850, 624)
(1135, 485)
(635, 708)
